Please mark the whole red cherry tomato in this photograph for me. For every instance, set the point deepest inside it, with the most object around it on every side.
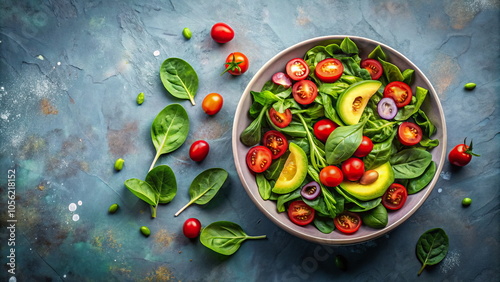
(191, 228)
(212, 103)
(236, 63)
(331, 176)
(222, 33)
(353, 169)
(199, 150)
(323, 128)
(364, 148)
(462, 154)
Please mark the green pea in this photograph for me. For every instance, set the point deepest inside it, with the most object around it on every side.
(470, 86)
(119, 164)
(145, 231)
(113, 208)
(341, 262)
(466, 202)
(140, 98)
(186, 32)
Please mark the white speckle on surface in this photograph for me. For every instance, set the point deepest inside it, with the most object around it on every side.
(156, 53)
(58, 63)
(72, 207)
(5, 116)
(79, 203)
(40, 57)
(446, 175)
(440, 190)
(76, 217)
(451, 261)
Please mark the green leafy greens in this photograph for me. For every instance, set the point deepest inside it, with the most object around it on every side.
(224, 237)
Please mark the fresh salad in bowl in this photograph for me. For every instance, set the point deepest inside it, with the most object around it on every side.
(339, 141)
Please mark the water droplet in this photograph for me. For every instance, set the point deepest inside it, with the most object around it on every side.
(156, 53)
(72, 207)
(440, 190)
(76, 217)
(79, 203)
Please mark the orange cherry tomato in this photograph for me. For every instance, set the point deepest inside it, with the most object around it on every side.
(212, 103)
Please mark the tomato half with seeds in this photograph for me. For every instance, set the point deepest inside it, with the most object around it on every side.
(409, 133)
(323, 128)
(395, 196)
(400, 92)
(297, 69)
(374, 67)
(304, 92)
(329, 70)
(276, 142)
(300, 213)
(347, 222)
(281, 120)
(259, 158)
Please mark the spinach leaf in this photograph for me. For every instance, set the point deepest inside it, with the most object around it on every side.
(408, 76)
(142, 190)
(359, 206)
(391, 71)
(381, 153)
(352, 67)
(285, 198)
(377, 53)
(330, 111)
(379, 130)
(343, 142)
(432, 247)
(410, 163)
(205, 186)
(224, 237)
(428, 143)
(424, 122)
(264, 186)
(169, 130)
(407, 111)
(253, 133)
(179, 78)
(376, 218)
(348, 46)
(419, 183)
(274, 171)
(324, 224)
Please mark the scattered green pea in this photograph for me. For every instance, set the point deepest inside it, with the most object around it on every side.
(119, 164)
(466, 202)
(470, 86)
(140, 98)
(113, 208)
(145, 231)
(186, 32)
(341, 262)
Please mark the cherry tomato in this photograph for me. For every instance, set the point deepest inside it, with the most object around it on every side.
(259, 158)
(300, 213)
(395, 196)
(461, 154)
(276, 142)
(409, 133)
(222, 33)
(329, 70)
(364, 148)
(236, 63)
(191, 228)
(304, 92)
(347, 222)
(400, 92)
(281, 120)
(353, 169)
(199, 150)
(323, 128)
(374, 67)
(331, 176)
(212, 103)
(297, 69)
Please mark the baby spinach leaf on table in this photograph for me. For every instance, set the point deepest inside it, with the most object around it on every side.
(179, 78)
(169, 130)
(343, 142)
(205, 186)
(263, 186)
(376, 218)
(163, 180)
(142, 190)
(410, 163)
(419, 183)
(224, 237)
(432, 247)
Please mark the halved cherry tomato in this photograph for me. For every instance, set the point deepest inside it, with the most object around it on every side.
(297, 69)
(212, 103)
(364, 148)
(347, 222)
(276, 142)
(281, 120)
(221, 33)
(374, 67)
(259, 158)
(329, 70)
(236, 63)
(409, 133)
(304, 92)
(353, 169)
(400, 92)
(300, 213)
(331, 176)
(323, 128)
(199, 150)
(395, 196)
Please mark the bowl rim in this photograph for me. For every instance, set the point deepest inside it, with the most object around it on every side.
(295, 230)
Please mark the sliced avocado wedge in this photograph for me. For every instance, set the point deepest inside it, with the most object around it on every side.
(374, 190)
(294, 171)
(352, 102)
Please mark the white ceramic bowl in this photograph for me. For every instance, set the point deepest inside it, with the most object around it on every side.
(431, 106)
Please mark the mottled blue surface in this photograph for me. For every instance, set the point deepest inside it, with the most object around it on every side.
(70, 73)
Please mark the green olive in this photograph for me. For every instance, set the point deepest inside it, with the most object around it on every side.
(466, 202)
(140, 98)
(145, 231)
(119, 164)
(186, 32)
(113, 208)
(470, 86)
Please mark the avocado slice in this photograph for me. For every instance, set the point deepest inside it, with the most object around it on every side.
(294, 171)
(352, 102)
(374, 190)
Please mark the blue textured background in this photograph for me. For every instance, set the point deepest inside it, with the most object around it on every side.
(70, 72)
